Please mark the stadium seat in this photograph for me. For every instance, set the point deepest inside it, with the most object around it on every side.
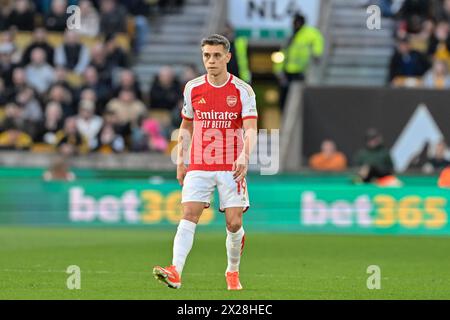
(2, 113)
(105, 150)
(42, 148)
(123, 40)
(75, 80)
(22, 39)
(55, 39)
(411, 82)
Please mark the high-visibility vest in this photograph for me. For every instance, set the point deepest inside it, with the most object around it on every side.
(307, 42)
(241, 47)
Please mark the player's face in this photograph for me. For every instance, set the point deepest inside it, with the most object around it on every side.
(215, 59)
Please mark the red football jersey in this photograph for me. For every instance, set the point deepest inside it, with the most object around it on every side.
(218, 113)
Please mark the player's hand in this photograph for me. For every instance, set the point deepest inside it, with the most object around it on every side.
(240, 167)
(181, 173)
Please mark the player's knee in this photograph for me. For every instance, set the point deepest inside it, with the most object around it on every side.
(190, 215)
(234, 226)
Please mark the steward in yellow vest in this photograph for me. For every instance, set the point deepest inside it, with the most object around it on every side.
(305, 44)
(239, 64)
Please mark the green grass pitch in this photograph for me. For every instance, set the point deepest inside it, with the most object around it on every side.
(117, 264)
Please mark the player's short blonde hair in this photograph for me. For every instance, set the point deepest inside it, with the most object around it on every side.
(215, 40)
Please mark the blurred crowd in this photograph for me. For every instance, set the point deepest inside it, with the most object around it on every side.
(374, 161)
(422, 53)
(73, 91)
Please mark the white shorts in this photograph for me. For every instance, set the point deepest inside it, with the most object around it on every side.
(198, 186)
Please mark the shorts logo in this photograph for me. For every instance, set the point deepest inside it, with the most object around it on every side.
(231, 101)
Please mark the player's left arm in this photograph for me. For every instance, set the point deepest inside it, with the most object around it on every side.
(250, 126)
(240, 166)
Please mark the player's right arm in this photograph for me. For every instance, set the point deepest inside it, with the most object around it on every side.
(184, 141)
(185, 133)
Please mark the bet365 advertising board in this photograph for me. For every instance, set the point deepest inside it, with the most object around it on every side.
(327, 208)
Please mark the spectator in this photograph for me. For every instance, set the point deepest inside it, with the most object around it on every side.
(6, 7)
(138, 138)
(40, 75)
(407, 62)
(140, 10)
(410, 26)
(374, 159)
(44, 6)
(165, 91)
(61, 95)
(127, 107)
(410, 8)
(437, 77)
(3, 97)
(108, 140)
(39, 41)
(59, 171)
(13, 138)
(69, 141)
(328, 159)
(32, 111)
(128, 81)
(89, 19)
(89, 124)
(99, 62)
(439, 43)
(91, 81)
(112, 17)
(53, 123)
(9, 38)
(438, 160)
(115, 55)
(111, 118)
(13, 114)
(421, 40)
(19, 82)
(154, 137)
(444, 178)
(305, 44)
(61, 79)
(175, 119)
(442, 12)
(72, 54)
(21, 16)
(88, 94)
(190, 72)
(56, 19)
(6, 64)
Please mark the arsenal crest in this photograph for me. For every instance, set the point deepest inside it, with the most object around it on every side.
(231, 101)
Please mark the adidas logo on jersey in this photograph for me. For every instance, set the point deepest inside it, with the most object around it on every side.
(202, 101)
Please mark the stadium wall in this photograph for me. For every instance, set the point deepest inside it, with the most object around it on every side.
(289, 205)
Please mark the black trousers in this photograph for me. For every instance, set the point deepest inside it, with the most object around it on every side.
(284, 87)
(375, 173)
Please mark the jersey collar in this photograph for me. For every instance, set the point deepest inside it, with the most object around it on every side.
(226, 82)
